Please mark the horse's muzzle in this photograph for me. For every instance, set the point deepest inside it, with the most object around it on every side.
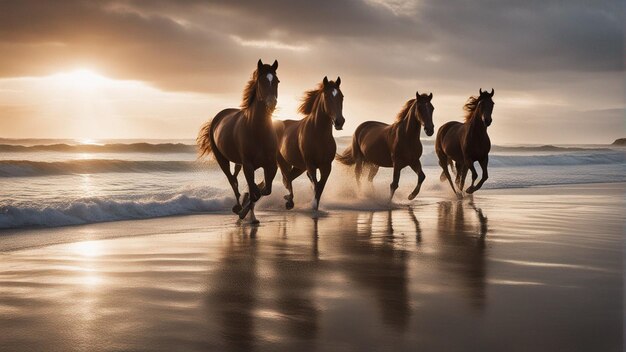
(339, 123)
(488, 122)
(429, 131)
(270, 103)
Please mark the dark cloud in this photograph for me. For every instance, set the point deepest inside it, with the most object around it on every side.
(187, 45)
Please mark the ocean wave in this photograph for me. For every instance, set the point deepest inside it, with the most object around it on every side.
(558, 159)
(144, 147)
(547, 148)
(104, 148)
(101, 209)
(512, 160)
(27, 168)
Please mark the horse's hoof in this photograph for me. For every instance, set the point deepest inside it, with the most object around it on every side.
(289, 204)
(470, 190)
(237, 208)
(412, 196)
(254, 222)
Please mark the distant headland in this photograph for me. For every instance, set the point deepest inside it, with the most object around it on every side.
(620, 142)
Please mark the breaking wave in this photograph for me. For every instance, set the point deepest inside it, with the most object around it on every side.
(100, 209)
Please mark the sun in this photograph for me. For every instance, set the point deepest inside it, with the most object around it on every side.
(80, 79)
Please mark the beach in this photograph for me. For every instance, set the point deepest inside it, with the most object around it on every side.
(519, 269)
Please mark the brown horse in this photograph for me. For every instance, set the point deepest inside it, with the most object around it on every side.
(246, 137)
(308, 144)
(465, 143)
(397, 145)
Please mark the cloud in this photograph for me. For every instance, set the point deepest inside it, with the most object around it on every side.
(384, 50)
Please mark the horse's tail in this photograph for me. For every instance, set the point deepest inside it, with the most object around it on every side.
(347, 157)
(351, 155)
(204, 141)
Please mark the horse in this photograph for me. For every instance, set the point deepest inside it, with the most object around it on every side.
(308, 144)
(465, 143)
(377, 144)
(246, 138)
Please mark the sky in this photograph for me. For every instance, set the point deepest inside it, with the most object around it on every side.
(159, 69)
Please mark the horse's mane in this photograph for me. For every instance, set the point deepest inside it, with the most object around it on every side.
(470, 107)
(308, 102)
(405, 109)
(249, 93)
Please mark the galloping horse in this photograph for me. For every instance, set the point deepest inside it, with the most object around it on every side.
(465, 143)
(308, 144)
(397, 145)
(246, 137)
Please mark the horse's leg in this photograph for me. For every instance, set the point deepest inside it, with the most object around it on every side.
(396, 179)
(269, 173)
(311, 171)
(253, 194)
(446, 172)
(253, 219)
(319, 187)
(358, 171)
(232, 179)
(474, 173)
(483, 165)
(248, 172)
(288, 180)
(464, 169)
(288, 176)
(372, 172)
(417, 167)
(459, 172)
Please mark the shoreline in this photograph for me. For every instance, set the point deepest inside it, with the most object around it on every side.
(508, 270)
(303, 210)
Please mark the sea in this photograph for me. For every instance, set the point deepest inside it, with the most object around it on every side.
(49, 183)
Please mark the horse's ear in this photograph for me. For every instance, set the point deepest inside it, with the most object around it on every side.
(480, 91)
(338, 81)
(430, 96)
(325, 81)
(259, 64)
(275, 65)
(417, 94)
(492, 91)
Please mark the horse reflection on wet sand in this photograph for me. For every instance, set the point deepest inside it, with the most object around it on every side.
(462, 247)
(282, 279)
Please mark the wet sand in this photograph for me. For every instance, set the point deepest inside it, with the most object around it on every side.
(536, 269)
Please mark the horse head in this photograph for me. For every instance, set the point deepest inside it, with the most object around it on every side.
(267, 84)
(485, 103)
(424, 112)
(333, 102)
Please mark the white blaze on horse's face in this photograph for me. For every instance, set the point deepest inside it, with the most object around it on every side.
(335, 92)
(270, 77)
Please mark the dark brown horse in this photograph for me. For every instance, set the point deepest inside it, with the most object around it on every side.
(308, 144)
(246, 137)
(397, 145)
(465, 143)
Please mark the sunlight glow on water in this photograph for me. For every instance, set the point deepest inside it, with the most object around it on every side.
(87, 248)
